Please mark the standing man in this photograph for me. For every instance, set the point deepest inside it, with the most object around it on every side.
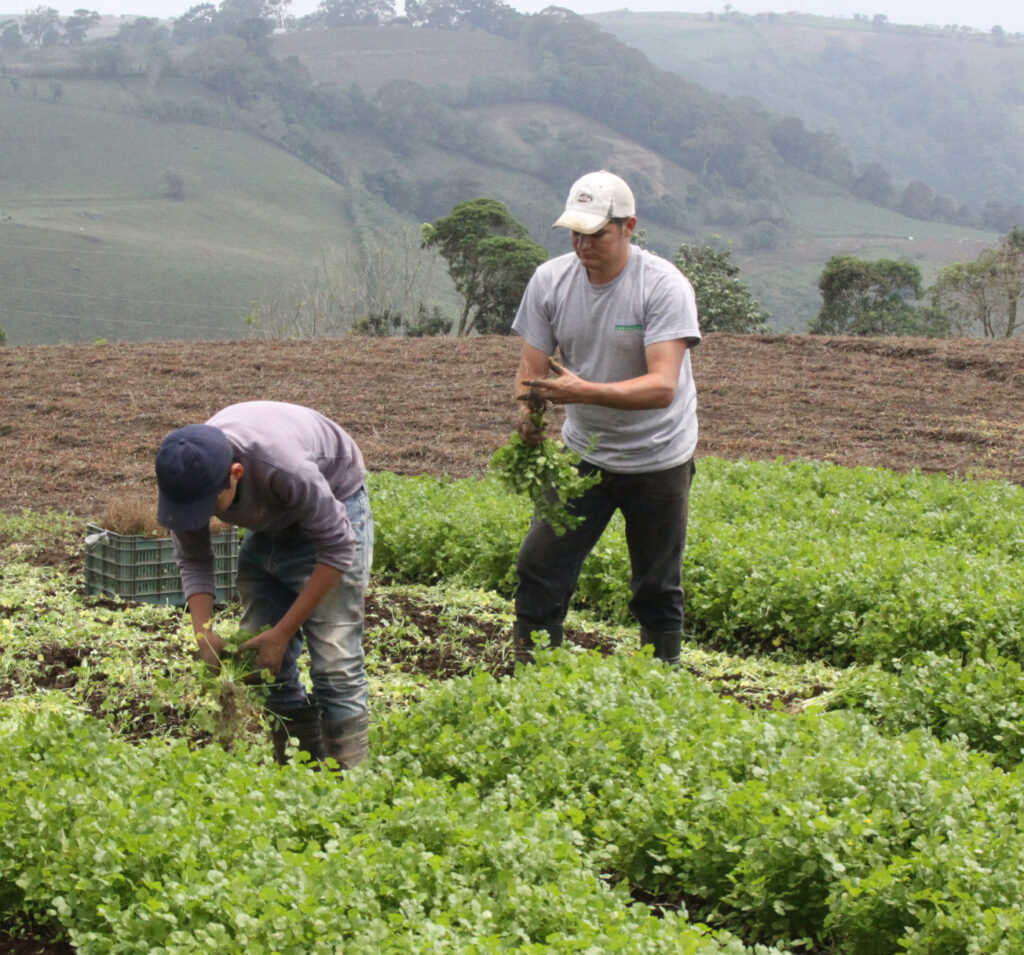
(297, 481)
(623, 321)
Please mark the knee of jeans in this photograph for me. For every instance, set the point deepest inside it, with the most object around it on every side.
(341, 697)
(338, 670)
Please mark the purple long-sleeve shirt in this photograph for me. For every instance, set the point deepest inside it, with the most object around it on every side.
(299, 467)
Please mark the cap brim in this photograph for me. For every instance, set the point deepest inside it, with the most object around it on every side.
(582, 222)
(185, 516)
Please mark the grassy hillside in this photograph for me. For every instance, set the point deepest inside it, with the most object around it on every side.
(938, 105)
(827, 222)
(163, 204)
(93, 243)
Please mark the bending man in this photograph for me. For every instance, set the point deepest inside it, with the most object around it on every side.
(296, 480)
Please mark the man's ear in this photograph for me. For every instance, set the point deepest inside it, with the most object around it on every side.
(237, 470)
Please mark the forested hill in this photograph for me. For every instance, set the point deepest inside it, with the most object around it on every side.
(206, 181)
(935, 114)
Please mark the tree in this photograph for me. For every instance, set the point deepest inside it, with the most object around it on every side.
(10, 36)
(343, 13)
(1011, 266)
(226, 65)
(40, 26)
(199, 22)
(917, 200)
(105, 58)
(724, 304)
(818, 153)
(142, 31)
(78, 25)
(984, 295)
(490, 259)
(506, 266)
(873, 184)
(872, 298)
(966, 293)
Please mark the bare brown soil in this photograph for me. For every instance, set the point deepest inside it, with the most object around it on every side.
(79, 425)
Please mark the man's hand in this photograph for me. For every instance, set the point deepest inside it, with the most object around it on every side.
(210, 650)
(531, 417)
(563, 388)
(270, 647)
(531, 428)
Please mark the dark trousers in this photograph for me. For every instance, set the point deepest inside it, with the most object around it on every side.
(654, 506)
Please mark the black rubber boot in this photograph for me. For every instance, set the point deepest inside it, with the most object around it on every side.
(346, 742)
(301, 723)
(667, 644)
(522, 639)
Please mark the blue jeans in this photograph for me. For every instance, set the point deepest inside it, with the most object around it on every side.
(272, 569)
(655, 506)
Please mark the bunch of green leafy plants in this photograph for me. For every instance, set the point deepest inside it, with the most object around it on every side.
(547, 473)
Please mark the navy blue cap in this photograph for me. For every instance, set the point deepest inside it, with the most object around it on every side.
(192, 468)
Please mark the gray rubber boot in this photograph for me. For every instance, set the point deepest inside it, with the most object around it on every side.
(523, 643)
(346, 741)
(301, 723)
(667, 644)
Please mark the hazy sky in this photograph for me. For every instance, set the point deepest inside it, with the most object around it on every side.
(981, 14)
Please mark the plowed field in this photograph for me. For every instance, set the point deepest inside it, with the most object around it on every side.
(80, 424)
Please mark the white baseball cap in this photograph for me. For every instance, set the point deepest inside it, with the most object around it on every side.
(593, 200)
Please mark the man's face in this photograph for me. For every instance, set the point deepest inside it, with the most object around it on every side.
(227, 497)
(605, 252)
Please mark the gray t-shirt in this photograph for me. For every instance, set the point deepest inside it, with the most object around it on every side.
(299, 468)
(602, 332)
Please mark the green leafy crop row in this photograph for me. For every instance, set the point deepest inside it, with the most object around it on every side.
(980, 701)
(522, 815)
(840, 564)
(781, 827)
(158, 848)
(529, 814)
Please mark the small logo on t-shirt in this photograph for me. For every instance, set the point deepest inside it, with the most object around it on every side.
(625, 327)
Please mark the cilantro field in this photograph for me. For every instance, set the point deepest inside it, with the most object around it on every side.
(835, 768)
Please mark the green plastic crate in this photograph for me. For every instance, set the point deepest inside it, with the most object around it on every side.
(144, 569)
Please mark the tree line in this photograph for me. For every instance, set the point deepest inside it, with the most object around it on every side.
(728, 143)
(490, 259)
(885, 296)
